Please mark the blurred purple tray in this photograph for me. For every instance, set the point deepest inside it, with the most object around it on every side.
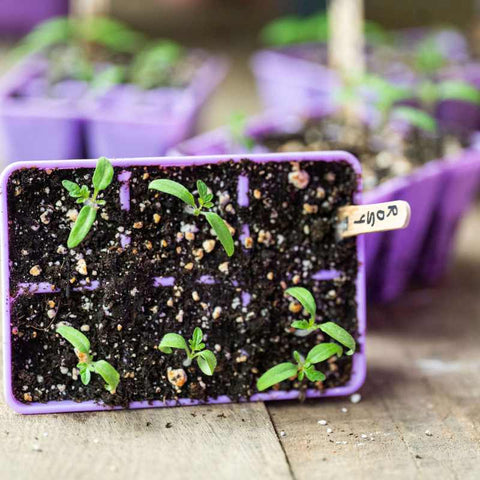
(293, 84)
(39, 128)
(359, 358)
(127, 122)
(439, 193)
(17, 17)
(298, 85)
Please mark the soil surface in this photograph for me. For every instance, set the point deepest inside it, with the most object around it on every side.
(382, 157)
(105, 287)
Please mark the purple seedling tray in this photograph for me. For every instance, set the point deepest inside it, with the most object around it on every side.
(117, 126)
(295, 84)
(390, 265)
(20, 16)
(39, 128)
(359, 358)
(461, 181)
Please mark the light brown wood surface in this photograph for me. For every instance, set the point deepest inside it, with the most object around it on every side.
(419, 416)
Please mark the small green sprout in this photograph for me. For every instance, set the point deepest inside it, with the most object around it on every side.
(330, 328)
(86, 365)
(428, 58)
(204, 202)
(238, 130)
(416, 118)
(431, 92)
(291, 29)
(195, 349)
(152, 66)
(304, 367)
(102, 178)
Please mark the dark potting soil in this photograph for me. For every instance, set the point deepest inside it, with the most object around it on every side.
(382, 157)
(238, 302)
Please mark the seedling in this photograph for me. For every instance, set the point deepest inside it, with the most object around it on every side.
(74, 45)
(204, 202)
(86, 365)
(238, 130)
(431, 92)
(416, 118)
(304, 367)
(102, 178)
(293, 29)
(152, 66)
(195, 349)
(330, 328)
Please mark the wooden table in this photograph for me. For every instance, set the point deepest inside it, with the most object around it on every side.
(419, 416)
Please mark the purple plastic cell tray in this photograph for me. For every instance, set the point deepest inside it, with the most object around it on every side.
(129, 122)
(36, 127)
(288, 81)
(359, 358)
(125, 122)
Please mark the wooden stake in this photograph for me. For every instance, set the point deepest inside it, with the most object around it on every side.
(89, 8)
(379, 217)
(346, 48)
(346, 43)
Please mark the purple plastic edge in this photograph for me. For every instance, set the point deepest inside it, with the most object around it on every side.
(207, 77)
(359, 360)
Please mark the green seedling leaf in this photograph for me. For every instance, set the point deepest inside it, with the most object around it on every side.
(173, 188)
(103, 175)
(221, 230)
(298, 358)
(107, 78)
(305, 298)
(324, 351)
(46, 35)
(277, 374)
(76, 338)
(428, 93)
(196, 341)
(109, 33)
(300, 325)
(172, 340)
(84, 192)
(340, 335)
(458, 90)
(282, 31)
(387, 93)
(207, 362)
(108, 373)
(428, 58)
(237, 125)
(82, 225)
(85, 376)
(72, 188)
(416, 118)
(314, 375)
(150, 67)
(202, 189)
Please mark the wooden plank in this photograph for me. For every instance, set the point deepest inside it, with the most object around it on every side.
(420, 412)
(208, 442)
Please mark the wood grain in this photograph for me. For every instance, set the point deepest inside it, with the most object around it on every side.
(210, 442)
(420, 412)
